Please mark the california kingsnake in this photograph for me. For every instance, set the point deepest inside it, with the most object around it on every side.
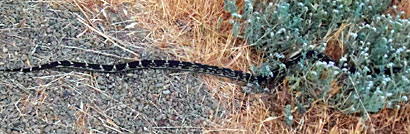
(184, 66)
(149, 64)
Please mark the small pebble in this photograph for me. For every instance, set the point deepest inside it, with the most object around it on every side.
(166, 92)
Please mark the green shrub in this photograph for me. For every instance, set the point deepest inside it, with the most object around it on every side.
(373, 40)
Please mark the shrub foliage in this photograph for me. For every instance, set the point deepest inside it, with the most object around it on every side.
(370, 40)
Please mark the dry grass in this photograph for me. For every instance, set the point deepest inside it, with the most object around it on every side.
(324, 119)
(335, 47)
(188, 30)
(402, 5)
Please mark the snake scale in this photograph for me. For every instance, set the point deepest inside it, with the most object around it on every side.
(183, 66)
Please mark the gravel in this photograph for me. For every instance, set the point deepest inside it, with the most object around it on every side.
(73, 101)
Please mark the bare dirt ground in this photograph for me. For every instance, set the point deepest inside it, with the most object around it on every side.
(72, 101)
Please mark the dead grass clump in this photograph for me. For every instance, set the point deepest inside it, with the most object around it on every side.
(335, 47)
(253, 118)
(189, 30)
(401, 5)
(324, 119)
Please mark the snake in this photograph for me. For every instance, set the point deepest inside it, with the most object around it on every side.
(186, 66)
(148, 64)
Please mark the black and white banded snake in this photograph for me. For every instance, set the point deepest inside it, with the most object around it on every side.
(179, 65)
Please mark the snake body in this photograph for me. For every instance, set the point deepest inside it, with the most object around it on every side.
(149, 64)
(186, 66)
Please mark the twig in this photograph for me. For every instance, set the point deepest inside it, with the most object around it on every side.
(109, 38)
(360, 100)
